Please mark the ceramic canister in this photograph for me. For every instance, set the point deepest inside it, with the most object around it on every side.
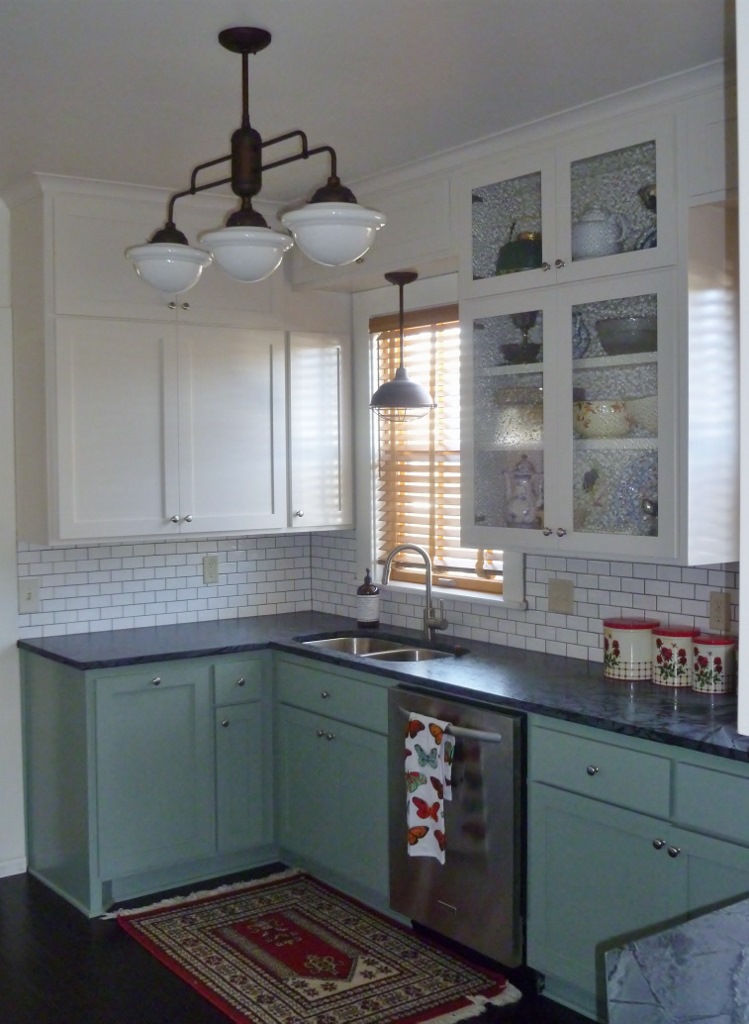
(714, 663)
(672, 655)
(627, 648)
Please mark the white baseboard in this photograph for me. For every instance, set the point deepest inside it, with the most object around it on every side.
(12, 867)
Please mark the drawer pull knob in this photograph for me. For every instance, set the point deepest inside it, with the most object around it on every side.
(592, 770)
(240, 681)
(558, 264)
(674, 851)
(320, 734)
(225, 724)
(331, 736)
(658, 844)
(188, 519)
(156, 680)
(324, 694)
(561, 532)
(174, 519)
(547, 531)
(545, 266)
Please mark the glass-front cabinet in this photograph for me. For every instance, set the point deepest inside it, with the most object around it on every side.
(569, 418)
(602, 205)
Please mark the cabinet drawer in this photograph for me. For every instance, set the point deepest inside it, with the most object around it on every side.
(340, 697)
(591, 767)
(712, 801)
(236, 682)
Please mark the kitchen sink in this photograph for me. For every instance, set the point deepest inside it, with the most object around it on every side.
(412, 654)
(361, 645)
(382, 649)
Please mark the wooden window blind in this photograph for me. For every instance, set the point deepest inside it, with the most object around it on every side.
(418, 461)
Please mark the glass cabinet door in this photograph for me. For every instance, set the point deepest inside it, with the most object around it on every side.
(615, 406)
(507, 413)
(600, 204)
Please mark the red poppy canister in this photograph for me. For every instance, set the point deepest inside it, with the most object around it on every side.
(628, 648)
(672, 655)
(714, 663)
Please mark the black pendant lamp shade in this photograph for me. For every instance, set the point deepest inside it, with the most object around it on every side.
(401, 398)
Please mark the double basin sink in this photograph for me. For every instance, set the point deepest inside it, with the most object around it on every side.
(377, 648)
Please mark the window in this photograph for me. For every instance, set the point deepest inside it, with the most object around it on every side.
(417, 464)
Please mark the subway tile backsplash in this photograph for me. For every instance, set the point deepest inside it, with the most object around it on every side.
(121, 586)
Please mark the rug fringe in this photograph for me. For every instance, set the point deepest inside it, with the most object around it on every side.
(507, 997)
(173, 901)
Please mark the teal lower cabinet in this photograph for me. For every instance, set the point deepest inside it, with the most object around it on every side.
(153, 801)
(619, 844)
(244, 755)
(133, 782)
(331, 775)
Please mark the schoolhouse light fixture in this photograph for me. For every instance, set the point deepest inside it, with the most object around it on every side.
(331, 229)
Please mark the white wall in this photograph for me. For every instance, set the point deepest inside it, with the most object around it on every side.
(12, 844)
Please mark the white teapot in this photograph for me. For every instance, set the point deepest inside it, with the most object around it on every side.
(598, 233)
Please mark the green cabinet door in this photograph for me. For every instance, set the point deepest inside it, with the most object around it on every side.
(154, 767)
(595, 874)
(332, 796)
(716, 870)
(243, 810)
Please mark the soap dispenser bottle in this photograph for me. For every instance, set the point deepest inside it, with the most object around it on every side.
(368, 604)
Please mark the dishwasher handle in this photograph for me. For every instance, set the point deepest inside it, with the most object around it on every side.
(473, 734)
(461, 732)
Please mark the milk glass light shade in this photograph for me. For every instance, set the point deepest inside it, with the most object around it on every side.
(332, 229)
(333, 234)
(247, 254)
(169, 268)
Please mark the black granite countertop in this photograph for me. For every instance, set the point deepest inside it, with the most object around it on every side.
(566, 688)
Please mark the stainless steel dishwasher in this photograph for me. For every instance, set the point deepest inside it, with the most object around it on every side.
(475, 897)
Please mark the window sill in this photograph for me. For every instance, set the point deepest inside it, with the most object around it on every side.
(451, 594)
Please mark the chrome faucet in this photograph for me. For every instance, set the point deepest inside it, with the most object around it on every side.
(432, 619)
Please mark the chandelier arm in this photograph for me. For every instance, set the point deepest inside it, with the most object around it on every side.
(304, 155)
(193, 190)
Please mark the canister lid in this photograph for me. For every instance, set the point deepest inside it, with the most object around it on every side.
(631, 623)
(714, 639)
(676, 631)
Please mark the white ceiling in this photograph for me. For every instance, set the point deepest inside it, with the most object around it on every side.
(140, 90)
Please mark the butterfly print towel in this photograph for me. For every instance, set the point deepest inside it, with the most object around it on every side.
(428, 769)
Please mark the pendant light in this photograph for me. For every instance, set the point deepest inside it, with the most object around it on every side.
(332, 229)
(401, 398)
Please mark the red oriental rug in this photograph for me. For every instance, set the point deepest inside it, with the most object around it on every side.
(291, 950)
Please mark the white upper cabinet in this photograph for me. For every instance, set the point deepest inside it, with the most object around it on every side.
(142, 415)
(93, 277)
(320, 431)
(601, 203)
(600, 378)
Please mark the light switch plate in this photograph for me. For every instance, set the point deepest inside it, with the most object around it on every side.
(720, 611)
(210, 569)
(28, 595)
(561, 596)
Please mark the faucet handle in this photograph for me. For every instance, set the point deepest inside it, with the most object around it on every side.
(434, 619)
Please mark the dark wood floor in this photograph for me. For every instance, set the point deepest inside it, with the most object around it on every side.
(57, 967)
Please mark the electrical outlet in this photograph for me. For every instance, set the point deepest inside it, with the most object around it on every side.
(561, 596)
(720, 611)
(210, 569)
(28, 595)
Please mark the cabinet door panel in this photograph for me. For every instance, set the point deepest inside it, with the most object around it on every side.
(716, 870)
(117, 433)
(305, 784)
(155, 782)
(232, 444)
(332, 796)
(594, 876)
(320, 431)
(242, 817)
